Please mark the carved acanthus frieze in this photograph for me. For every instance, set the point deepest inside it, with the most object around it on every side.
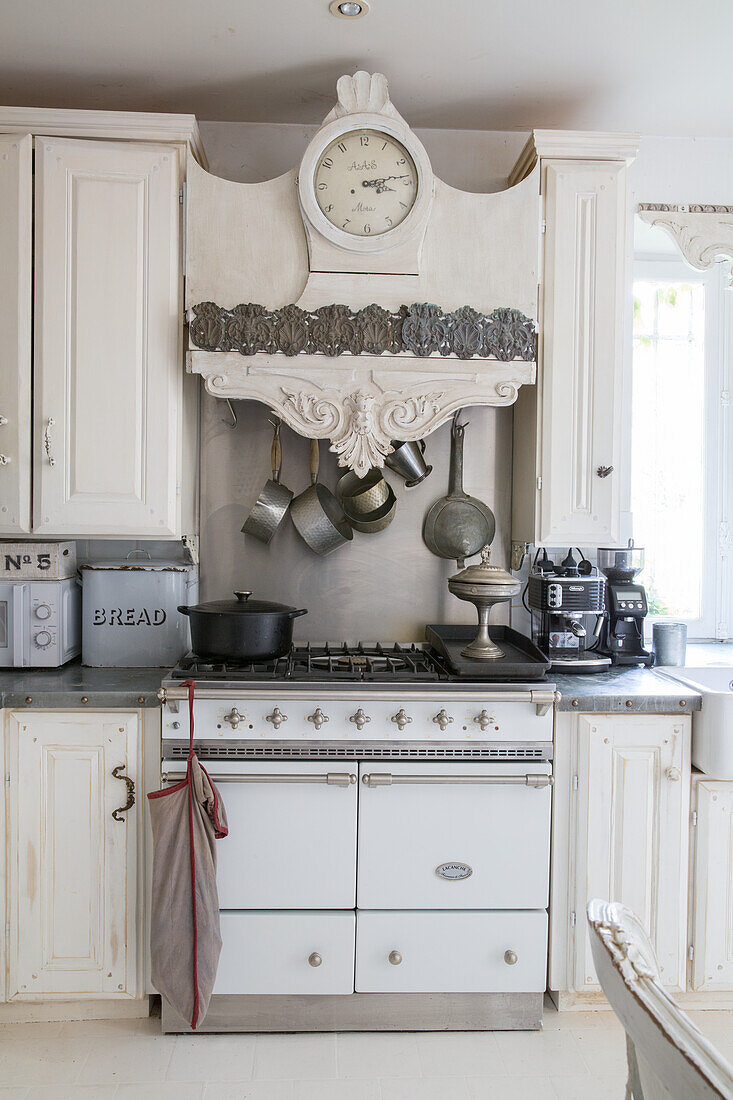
(420, 329)
(703, 232)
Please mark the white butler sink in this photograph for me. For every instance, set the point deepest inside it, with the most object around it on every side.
(712, 727)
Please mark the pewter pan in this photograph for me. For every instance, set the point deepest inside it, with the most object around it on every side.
(458, 525)
(274, 500)
(372, 522)
(318, 517)
(360, 495)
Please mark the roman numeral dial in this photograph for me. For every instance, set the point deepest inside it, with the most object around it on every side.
(365, 183)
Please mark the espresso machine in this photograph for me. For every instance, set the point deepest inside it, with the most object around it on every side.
(622, 633)
(566, 603)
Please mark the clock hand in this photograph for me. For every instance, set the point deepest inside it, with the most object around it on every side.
(380, 183)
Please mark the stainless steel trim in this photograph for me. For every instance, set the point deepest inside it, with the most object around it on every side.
(231, 748)
(385, 779)
(333, 779)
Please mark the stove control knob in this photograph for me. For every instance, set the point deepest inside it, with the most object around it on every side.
(484, 720)
(234, 718)
(315, 959)
(360, 719)
(395, 958)
(318, 718)
(443, 719)
(510, 958)
(43, 611)
(277, 718)
(401, 719)
(42, 639)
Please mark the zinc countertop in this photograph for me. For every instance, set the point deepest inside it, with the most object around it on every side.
(74, 686)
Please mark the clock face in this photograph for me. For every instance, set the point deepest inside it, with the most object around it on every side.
(365, 183)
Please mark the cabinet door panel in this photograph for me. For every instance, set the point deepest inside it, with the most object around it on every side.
(108, 368)
(632, 830)
(16, 183)
(712, 894)
(582, 352)
(73, 922)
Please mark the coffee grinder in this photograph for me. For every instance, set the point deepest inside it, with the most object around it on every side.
(622, 633)
(566, 604)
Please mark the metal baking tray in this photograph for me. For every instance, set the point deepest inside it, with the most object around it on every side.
(522, 659)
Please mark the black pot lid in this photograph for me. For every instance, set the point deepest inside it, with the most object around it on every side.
(244, 605)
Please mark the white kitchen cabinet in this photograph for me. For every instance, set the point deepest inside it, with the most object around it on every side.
(75, 926)
(16, 234)
(568, 466)
(712, 887)
(108, 368)
(620, 832)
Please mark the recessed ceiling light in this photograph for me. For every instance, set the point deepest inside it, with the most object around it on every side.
(349, 9)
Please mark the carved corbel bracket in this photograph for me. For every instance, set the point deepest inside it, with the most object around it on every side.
(703, 233)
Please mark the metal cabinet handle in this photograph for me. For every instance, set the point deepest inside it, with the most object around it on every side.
(318, 718)
(386, 779)
(360, 719)
(332, 779)
(50, 423)
(443, 719)
(277, 718)
(401, 719)
(510, 958)
(604, 471)
(673, 775)
(234, 718)
(117, 773)
(484, 720)
(315, 959)
(395, 958)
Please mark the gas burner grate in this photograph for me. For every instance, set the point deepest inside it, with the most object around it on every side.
(362, 750)
(329, 662)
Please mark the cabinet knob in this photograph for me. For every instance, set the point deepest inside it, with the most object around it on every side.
(484, 720)
(443, 719)
(318, 718)
(315, 959)
(673, 775)
(277, 718)
(510, 957)
(360, 719)
(395, 958)
(401, 719)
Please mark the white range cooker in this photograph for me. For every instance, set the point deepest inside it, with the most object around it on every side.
(387, 864)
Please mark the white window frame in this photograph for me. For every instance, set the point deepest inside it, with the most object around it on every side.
(716, 622)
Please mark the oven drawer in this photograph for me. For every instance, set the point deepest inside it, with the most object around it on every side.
(480, 952)
(292, 835)
(472, 837)
(271, 952)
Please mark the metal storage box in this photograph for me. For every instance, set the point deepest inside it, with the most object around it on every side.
(130, 616)
(37, 561)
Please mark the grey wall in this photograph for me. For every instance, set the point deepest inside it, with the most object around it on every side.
(385, 586)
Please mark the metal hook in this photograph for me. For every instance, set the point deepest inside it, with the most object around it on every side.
(276, 424)
(233, 415)
(456, 427)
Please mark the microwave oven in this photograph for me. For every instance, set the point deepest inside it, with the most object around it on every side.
(40, 623)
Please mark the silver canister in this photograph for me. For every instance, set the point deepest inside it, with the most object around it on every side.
(669, 643)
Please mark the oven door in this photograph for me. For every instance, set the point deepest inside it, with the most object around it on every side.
(14, 622)
(292, 833)
(454, 836)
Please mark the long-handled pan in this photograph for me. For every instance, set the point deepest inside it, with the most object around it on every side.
(274, 500)
(458, 526)
(318, 516)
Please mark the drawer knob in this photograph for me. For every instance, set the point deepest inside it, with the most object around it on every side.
(401, 719)
(673, 775)
(315, 959)
(510, 957)
(443, 719)
(395, 958)
(318, 718)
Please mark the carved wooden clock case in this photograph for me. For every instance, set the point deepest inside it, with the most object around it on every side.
(369, 332)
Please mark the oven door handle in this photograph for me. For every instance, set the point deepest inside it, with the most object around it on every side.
(386, 779)
(332, 779)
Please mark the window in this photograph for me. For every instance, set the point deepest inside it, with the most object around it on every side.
(678, 476)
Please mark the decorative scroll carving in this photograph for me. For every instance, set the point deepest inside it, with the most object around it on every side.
(702, 232)
(421, 329)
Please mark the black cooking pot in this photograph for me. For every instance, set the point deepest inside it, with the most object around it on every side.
(241, 629)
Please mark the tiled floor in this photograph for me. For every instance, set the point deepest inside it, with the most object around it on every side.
(578, 1056)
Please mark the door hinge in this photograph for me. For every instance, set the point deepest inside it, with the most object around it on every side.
(539, 484)
(543, 226)
(7, 931)
(725, 398)
(572, 920)
(7, 780)
(690, 952)
(180, 197)
(182, 202)
(693, 818)
(575, 782)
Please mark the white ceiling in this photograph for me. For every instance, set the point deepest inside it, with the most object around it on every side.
(656, 66)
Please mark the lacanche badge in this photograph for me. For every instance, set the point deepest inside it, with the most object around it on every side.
(454, 872)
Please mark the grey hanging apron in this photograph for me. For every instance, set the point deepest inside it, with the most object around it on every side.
(187, 819)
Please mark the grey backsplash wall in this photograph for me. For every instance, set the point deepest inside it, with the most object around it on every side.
(385, 586)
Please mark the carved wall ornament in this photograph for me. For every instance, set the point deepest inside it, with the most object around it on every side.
(420, 329)
(703, 232)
